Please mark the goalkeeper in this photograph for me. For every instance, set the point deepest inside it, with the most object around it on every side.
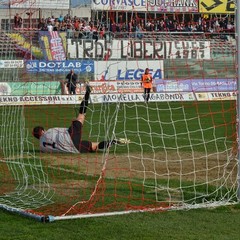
(146, 82)
(69, 140)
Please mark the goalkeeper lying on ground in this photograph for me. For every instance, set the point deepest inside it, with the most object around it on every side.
(69, 140)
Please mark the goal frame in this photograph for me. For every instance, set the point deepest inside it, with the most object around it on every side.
(237, 32)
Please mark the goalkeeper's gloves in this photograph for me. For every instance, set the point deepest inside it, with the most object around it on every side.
(123, 141)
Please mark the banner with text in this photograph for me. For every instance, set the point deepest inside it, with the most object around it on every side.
(60, 67)
(216, 96)
(196, 85)
(115, 98)
(137, 49)
(127, 70)
(217, 6)
(146, 5)
(115, 87)
(11, 64)
(52, 45)
(127, 86)
(96, 98)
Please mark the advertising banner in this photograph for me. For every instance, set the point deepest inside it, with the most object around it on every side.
(112, 87)
(11, 64)
(40, 99)
(172, 6)
(95, 98)
(60, 67)
(127, 70)
(196, 85)
(138, 97)
(216, 96)
(161, 86)
(29, 88)
(146, 5)
(52, 45)
(58, 88)
(113, 98)
(216, 6)
(116, 87)
(48, 4)
(137, 49)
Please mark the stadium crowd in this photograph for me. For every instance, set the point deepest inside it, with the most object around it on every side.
(77, 27)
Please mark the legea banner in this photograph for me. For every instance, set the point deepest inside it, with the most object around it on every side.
(127, 70)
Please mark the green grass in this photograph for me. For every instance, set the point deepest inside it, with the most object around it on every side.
(176, 123)
(201, 224)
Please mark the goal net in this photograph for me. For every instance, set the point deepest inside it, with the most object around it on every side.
(182, 149)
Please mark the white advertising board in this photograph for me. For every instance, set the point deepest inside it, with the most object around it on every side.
(116, 97)
(40, 99)
(95, 98)
(138, 97)
(216, 96)
(11, 64)
(127, 70)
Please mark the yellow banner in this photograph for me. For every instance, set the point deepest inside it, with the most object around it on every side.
(216, 6)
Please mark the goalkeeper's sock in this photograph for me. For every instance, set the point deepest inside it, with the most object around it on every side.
(84, 103)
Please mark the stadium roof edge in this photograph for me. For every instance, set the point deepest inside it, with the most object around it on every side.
(73, 3)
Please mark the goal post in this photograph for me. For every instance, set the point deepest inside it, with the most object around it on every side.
(237, 12)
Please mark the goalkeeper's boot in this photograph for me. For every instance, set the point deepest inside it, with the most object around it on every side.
(88, 88)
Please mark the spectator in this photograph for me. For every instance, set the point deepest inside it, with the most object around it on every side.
(50, 27)
(52, 20)
(97, 29)
(42, 25)
(139, 31)
(60, 19)
(108, 36)
(17, 21)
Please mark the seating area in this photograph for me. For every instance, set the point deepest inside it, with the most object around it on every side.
(7, 45)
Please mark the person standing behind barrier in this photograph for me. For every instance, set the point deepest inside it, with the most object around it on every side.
(17, 21)
(146, 82)
(71, 82)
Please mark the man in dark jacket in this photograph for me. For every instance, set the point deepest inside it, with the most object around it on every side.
(71, 82)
